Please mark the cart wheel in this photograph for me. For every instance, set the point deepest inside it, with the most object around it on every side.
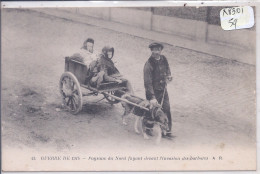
(71, 92)
(110, 99)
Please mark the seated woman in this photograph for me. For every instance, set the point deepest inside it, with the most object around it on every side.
(105, 70)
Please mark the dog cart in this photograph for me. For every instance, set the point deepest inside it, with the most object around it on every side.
(75, 78)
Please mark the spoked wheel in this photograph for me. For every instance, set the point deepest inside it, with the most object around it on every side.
(71, 92)
(111, 100)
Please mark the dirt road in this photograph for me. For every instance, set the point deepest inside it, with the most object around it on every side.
(212, 99)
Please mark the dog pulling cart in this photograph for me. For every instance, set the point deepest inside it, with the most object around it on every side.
(75, 78)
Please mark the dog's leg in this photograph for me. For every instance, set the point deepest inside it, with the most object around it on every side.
(137, 120)
(126, 112)
(124, 122)
(158, 130)
(124, 118)
(143, 129)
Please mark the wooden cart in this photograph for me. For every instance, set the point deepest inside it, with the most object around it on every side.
(75, 78)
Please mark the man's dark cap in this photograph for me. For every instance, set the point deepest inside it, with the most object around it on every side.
(155, 44)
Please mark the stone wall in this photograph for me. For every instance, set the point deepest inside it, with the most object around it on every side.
(200, 25)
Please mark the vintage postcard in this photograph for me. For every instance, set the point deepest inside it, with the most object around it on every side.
(129, 88)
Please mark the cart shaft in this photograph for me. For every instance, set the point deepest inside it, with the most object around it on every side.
(124, 100)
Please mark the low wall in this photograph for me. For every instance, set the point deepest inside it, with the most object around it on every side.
(138, 18)
(195, 32)
(241, 39)
(102, 13)
(187, 28)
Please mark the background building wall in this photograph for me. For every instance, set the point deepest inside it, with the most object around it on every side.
(198, 26)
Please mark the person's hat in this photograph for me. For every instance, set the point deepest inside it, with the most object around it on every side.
(90, 40)
(107, 49)
(86, 41)
(155, 44)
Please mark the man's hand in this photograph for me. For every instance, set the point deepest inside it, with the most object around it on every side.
(168, 79)
(154, 101)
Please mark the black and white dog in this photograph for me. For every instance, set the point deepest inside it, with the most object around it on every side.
(154, 120)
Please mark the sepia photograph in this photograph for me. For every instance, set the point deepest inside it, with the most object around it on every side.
(161, 88)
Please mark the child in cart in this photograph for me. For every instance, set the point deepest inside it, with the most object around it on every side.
(86, 53)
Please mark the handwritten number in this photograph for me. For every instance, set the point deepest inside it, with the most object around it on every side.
(233, 11)
(233, 21)
(229, 11)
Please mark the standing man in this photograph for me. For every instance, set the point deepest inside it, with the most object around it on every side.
(156, 76)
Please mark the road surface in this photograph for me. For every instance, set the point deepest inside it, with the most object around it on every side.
(212, 99)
